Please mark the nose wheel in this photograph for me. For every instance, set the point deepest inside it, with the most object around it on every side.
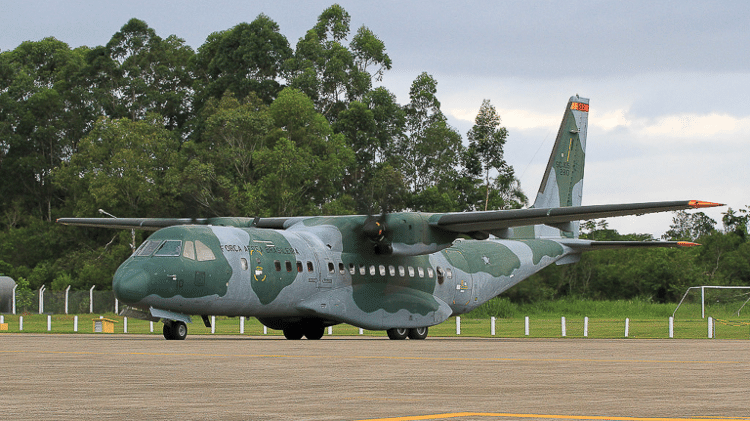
(174, 330)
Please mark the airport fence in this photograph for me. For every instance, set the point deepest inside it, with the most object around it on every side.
(453, 327)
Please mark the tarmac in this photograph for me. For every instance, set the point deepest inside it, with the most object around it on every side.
(65, 377)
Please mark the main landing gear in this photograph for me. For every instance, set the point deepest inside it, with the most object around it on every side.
(308, 331)
(174, 330)
(398, 333)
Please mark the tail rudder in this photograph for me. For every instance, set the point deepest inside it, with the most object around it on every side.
(562, 185)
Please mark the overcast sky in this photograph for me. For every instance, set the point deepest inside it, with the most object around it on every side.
(669, 82)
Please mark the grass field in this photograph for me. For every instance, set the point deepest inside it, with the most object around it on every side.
(540, 326)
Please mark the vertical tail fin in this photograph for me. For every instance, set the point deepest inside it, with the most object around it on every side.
(562, 184)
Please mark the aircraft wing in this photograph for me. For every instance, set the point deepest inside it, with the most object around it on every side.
(489, 221)
(147, 224)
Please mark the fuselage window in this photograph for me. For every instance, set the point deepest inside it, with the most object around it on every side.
(244, 264)
(372, 270)
(189, 251)
(382, 270)
(299, 266)
(440, 275)
(401, 271)
(411, 272)
(420, 271)
(147, 248)
(341, 268)
(277, 265)
(449, 272)
(169, 248)
(361, 269)
(430, 273)
(310, 266)
(203, 252)
(331, 268)
(391, 270)
(352, 269)
(288, 266)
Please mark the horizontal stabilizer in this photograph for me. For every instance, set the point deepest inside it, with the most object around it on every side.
(589, 245)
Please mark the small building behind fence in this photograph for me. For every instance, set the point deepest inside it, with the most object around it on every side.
(7, 284)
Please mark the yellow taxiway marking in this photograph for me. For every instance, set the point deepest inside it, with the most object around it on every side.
(378, 357)
(544, 416)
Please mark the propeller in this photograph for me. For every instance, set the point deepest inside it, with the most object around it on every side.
(375, 230)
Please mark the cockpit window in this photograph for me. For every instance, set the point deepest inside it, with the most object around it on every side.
(203, 252)
(189, 251)
(169, 248)
(147, 248)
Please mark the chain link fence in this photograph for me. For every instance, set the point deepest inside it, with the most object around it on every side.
(79, 302)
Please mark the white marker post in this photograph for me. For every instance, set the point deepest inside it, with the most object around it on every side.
(627, 327)
(49, 323)
(67, 291)
(492, 326)
(671, 327)
(330, 330)
(242, 325)
(75, 323)
(710, 327)
(213, 324)
(562, 322)
(458, 325)
(20, 323)
(526, 326)
(586, 327)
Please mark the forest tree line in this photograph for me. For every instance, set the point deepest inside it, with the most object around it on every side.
(248, 125)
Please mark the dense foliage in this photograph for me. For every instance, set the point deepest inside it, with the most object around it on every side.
(248, 125)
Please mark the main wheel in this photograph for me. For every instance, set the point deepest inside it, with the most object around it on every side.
(167, 331)
(418, 333)
(314, 332)
(398, 333)
(179, 330)
(293, 333)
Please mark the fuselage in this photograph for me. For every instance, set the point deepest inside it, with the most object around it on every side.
(318, 272)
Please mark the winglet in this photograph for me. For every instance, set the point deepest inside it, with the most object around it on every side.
(697, 204)
(686, 244)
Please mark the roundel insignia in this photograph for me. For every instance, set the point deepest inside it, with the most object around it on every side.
(258, 275)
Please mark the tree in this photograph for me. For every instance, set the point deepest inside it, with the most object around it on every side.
(247, 58)
(220, 158)
(486, 141)
(689, 226)
(138, 72)
(41, 121)
(127, 167)
(330, 73)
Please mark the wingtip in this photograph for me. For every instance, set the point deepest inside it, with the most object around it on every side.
(697, 204)
(686, 244)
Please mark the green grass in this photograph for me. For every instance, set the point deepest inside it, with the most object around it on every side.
(542, 325)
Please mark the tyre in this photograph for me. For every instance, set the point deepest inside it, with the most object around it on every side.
(398, 333)
(179, 330)
(418, 333)
(314, 332)
(293, 333)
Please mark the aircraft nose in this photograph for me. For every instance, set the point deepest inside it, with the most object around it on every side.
(130, 284)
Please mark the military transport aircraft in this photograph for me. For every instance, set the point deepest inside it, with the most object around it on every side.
(400, 272)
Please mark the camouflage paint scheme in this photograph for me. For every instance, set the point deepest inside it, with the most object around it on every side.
(401, 270)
